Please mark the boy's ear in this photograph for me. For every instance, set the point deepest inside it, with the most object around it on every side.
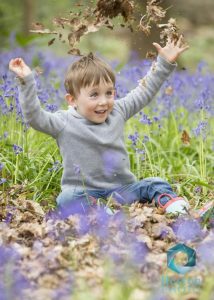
(70, 99)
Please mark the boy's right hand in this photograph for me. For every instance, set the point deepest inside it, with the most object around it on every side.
(19, 67)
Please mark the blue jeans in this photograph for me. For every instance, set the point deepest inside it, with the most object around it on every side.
(79, 201)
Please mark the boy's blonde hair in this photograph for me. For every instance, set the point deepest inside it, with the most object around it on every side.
(89, 70)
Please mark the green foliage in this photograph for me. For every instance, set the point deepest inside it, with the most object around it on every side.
(24, 41)
(10, 18)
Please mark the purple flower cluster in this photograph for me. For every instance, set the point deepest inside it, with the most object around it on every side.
(187, 230)
(2, 180)
(201, 129)
(56, 166)
(17, 149)
(12, 282)
(134, 138)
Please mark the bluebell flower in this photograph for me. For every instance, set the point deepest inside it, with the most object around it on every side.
(15, 287)
(134, 137)
(51, 107)
(145, 119)
(145, 139)
(206, 254)
(201, 129)
(201, 65)
(156, 119)
(17, 149)
(142, 153)
(139, 251)
(56, 166)
(5, 134)
(2, 180)
(1, 166)
(187, 229)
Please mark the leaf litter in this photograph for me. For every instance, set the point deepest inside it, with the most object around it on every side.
(77, 249)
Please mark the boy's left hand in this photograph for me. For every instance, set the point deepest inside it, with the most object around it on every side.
(172, 50)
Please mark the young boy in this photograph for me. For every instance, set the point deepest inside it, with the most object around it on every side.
(90, 133)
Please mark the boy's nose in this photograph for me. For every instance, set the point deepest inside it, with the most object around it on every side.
(102, 101)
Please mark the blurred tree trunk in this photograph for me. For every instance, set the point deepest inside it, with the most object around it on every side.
(28, 15)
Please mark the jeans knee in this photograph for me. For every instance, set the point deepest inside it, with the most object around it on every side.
(66, 196)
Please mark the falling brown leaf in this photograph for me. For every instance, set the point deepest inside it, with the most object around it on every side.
(154, 11)
(74, 51)
(146, 28)
(51, 41)
(61, 22)
(151, 55)
(74, 37)
(112, 8)
(43, 31)
(171, 32)
(37, 26)
(185, 138)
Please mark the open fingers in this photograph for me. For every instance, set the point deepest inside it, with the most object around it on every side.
(170, 41)
(157, 46)
(183, 49)
(180, 41)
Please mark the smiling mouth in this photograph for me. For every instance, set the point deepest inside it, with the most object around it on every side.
(101, 112)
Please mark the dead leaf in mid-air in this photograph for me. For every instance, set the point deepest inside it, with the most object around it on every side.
(37, 26)
(155, 11)
(74, 51)
(43, 31)
(112, 8)
(151, 55)
(51, 41)
(185, 138)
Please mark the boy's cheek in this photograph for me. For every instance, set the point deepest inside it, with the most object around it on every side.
(110, 110)
(112, 105)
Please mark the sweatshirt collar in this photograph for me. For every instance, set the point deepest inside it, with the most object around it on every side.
(78, 116)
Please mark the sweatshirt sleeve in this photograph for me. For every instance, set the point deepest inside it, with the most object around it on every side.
(34, 114)
(134, 101)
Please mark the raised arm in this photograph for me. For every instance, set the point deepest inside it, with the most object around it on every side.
(134, 101)
(34, 114)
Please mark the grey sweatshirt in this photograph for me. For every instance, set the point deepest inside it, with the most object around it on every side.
(94, 155)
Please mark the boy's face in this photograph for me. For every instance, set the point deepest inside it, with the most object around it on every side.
(95, 102)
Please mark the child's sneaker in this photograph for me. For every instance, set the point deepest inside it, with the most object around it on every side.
(174, 205)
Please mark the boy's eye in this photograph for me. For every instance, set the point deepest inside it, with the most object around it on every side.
(95, 94)
(109, 93)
